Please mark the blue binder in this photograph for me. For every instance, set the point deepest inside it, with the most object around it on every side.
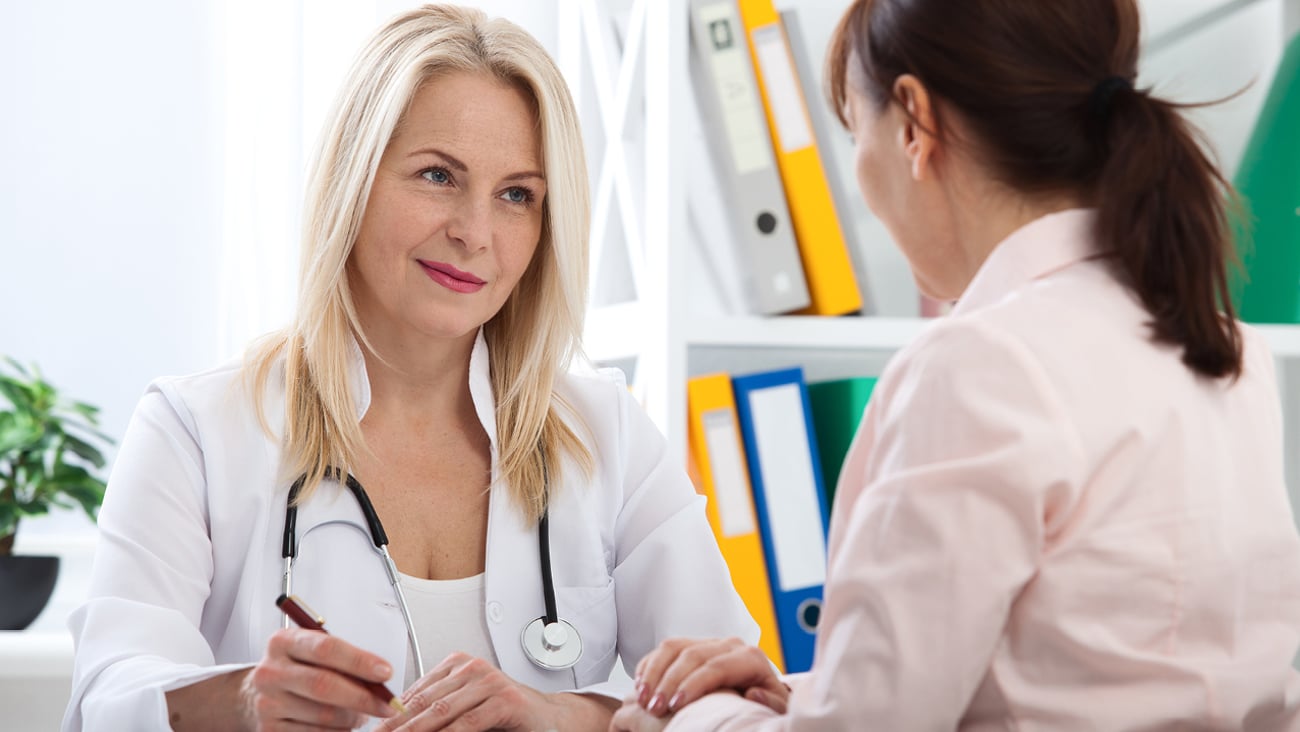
(781, 450)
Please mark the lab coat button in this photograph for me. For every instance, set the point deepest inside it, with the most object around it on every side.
(494, 611)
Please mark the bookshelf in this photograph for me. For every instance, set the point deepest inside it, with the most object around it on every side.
(663, 326)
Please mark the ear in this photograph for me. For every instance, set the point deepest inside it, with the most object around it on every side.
(920, 126)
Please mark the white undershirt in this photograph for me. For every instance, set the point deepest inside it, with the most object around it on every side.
(448, 616)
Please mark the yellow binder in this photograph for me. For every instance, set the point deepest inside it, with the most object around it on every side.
(828, 269)
(718, 468)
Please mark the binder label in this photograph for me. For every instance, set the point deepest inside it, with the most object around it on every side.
(730, 486)
(742, 110)
(783, 95)
(790, 490)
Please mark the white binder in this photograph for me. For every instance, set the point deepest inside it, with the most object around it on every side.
(735, 128)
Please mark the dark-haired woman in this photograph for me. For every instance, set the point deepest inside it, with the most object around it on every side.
(1065, 506)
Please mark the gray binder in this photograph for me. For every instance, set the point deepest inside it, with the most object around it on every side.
(736, 131)
(818, 112)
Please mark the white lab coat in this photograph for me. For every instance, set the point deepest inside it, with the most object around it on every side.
(189, 559)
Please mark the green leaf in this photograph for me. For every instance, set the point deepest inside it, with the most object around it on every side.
(18, 393)
(88, 496)
(68, 473)
(38, 506)
(39, 438)
(90, 412)
(90, 431)
(17, 366)
(84, 450)
(17, 432)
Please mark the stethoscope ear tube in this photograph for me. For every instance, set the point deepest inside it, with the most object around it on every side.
(548, 641)
(377, 533)
(289, 548)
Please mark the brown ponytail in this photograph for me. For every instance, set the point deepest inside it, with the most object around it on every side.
(1045, 89)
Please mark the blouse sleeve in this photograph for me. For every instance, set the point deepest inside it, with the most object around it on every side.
(963, 460)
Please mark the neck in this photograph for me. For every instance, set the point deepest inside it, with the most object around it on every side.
(426, 382)
(983, 219)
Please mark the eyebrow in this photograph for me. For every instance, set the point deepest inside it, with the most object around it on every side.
(462, 167)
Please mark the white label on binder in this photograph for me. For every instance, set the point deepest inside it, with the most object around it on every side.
(730, 488)
(789, 488)
(783, 95)
(742, 110)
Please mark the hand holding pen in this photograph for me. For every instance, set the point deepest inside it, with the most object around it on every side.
(303, 617)
(312, 678)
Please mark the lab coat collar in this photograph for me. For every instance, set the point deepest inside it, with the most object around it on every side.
(1037, 249)
(480, 385)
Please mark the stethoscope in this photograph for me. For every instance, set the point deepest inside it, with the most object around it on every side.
(549, 641)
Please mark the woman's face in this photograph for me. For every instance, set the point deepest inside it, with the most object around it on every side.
(894, 163)
(455, 211)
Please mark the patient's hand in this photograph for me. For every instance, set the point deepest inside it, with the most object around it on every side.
(680, 671)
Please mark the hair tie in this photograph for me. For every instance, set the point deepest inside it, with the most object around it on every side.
(1102, 94)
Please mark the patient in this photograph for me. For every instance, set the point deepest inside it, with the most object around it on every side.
(1064, 508)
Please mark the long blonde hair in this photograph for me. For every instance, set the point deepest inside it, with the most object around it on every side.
(537, 332)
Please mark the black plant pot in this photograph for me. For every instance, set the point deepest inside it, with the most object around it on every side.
(26, 583)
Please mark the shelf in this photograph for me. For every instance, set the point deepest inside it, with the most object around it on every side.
(1283, 340)
(869, 333)
(805, 331)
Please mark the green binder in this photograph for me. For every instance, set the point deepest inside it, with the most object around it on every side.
(837, 408)
(1268, 241)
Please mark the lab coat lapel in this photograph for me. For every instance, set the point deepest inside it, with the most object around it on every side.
(513, 582)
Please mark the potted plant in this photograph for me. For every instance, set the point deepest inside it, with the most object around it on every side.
(49, 456)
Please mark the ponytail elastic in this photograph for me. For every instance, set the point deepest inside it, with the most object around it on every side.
(1102, 94)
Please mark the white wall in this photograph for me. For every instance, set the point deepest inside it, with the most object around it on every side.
(108, 201)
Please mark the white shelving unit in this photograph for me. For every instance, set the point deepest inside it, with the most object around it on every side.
(661, 333)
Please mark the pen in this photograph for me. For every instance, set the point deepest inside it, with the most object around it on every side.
(299, 613)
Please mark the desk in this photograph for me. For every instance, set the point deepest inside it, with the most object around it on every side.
(36, 664)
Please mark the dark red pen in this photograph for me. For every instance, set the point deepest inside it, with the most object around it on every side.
(300, 614)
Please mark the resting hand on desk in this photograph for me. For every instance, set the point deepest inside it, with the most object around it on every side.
(680, 671)
(468, 694)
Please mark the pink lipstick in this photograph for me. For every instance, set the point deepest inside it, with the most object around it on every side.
(451, 278)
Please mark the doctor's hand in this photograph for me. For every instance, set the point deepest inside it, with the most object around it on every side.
(309, 679)
(680, 671)
(465, 693)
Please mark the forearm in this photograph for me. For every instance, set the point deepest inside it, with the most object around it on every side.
(212, 705)
(577, 711)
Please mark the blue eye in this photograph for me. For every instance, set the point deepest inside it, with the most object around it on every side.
(519, 195)
(436, 175)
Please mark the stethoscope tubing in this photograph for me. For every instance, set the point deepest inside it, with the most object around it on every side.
(545, 656)
(289, 550)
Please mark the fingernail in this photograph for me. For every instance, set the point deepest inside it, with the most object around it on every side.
(642, 694)
(656, 704)
(383, 669)
(672, 703)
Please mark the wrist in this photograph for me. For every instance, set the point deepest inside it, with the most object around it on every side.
(574, 710)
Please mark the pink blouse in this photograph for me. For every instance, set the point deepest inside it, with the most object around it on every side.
(1048, 522)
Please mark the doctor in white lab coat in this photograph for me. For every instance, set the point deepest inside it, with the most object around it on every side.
(444, 262)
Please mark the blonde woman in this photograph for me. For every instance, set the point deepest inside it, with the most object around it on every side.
(535, 527)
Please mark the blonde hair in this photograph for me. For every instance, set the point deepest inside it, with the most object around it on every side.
(537, 332)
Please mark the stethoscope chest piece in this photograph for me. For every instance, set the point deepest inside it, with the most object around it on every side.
(554, 646)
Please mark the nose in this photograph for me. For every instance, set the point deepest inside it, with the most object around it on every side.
(471, 224)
